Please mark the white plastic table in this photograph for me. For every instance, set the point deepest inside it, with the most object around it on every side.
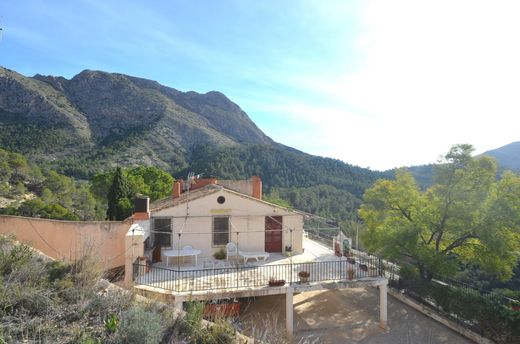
(181, 253)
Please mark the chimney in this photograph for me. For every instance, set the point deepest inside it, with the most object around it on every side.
(141, 208)
(177, 187)
(257, 187)
(199, 183)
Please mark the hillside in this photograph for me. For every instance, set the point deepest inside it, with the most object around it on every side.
(97, 119)
(323, 186)
(508, 156)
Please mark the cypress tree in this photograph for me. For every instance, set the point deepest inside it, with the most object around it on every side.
(119, 204)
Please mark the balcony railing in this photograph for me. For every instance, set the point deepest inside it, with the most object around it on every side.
(239, 277)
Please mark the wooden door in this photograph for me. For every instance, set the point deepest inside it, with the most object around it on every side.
(273, 233)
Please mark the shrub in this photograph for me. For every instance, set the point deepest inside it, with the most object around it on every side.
(57, 269)
(192, 322)
(20, 299)
(194, 329)
(140, 327)
(304, 274)
(13, 256)
(494, 316)
(220, 332)
(220, 254)
(105, 303)
(111, 323)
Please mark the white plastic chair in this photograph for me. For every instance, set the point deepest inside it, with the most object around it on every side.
(231, 250)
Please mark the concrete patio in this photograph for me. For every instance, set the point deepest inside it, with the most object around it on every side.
(313, 252)
(211, 274)
(349, 316)
(277, 276)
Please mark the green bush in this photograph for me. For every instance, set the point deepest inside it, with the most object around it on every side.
(140, 327)
(491, 313)
(111, 323)
(57, 269)
(220, 332)
(220, 254)
(192, 321)
(13, 256)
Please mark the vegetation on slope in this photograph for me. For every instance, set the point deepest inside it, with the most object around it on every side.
(507, 156)
(97, 119)
(28, 190)
(467, 216)
(44, 301)
(489, 314)
(318, 185)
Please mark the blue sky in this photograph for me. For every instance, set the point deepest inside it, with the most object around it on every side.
(378, 84)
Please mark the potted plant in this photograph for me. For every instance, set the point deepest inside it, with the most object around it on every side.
(220, 254)
(350, 273)
(273, 282)
(304, 276)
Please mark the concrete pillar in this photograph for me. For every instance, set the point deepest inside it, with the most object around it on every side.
(134, 247)
(289, 321)
(383, 313)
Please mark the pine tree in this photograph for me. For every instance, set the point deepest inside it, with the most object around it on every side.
(119, 204)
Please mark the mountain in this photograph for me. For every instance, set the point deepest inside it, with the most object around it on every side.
(508, 156)
(97, 119)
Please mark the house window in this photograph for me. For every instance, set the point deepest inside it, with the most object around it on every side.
(162, 232)
(220, 231)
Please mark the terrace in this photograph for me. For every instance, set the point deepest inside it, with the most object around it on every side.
(224, 276)
(212, 279)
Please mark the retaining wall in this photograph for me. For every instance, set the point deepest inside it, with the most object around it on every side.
(70, 239)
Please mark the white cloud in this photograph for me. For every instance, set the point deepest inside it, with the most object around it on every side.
(433, 73)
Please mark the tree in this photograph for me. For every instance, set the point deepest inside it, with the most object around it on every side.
(467, 216)
(274, 198)
(37, 208)
(150, 181)
(145, 180)
(118, 198)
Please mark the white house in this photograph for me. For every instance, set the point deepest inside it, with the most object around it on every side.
(214, 212)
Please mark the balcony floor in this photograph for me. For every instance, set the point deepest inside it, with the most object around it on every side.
(313, 252)
(211, 275)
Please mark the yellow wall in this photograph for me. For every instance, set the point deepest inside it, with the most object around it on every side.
(247, 216)
(69, 239)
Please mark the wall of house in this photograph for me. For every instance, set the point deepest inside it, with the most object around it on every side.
(247, 217)
(70, 239)
(295, 240)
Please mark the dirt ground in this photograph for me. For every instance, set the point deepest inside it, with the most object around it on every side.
(346, 316)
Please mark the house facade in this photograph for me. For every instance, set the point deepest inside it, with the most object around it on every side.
(213, 213)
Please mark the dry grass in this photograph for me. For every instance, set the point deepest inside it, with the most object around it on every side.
(44, 301)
